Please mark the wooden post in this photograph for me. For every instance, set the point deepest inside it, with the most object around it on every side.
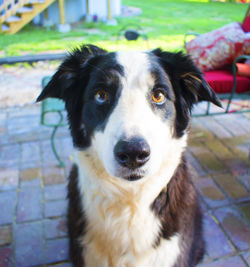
(109, 10)
(46, 15)
(87, 6)
(61, 10)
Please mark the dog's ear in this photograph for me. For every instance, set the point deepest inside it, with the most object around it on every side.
(191, 84)
(63, 80)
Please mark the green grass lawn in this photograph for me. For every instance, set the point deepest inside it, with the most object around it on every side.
(164, 21)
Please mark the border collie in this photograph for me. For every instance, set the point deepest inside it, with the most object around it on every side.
(131, 199)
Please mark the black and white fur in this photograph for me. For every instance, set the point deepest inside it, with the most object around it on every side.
(131, 199)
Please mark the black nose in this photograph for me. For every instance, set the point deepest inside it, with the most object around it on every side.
(132, 153)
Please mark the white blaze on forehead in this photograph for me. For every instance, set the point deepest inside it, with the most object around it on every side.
(133, 106)
(136, 68)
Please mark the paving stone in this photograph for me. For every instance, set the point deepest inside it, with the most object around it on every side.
(48, 158)
(199, 133)
(29, 244)
(30, 152)
(245, 180)
(30, 174)
(203, 206)
(55, 228)
(30, 165)
(235, 227)
(234, 124)
(53, 175)
(246, 256)
(65, 146)
(45, 132)
(31, 177)
(57, 250)
(195, 164)
(32, 183)
(240, 146)
(9, 155)
(210, 192)
(247, 115)
(219, 149)
(243, 151)
(55, 192)
(7, 204)
(229, 262)
(237, 140)
(29, 205)
(5, 235)
(25, 111)
(31, 135)
(241, 120)
(23, 125)
(216, 128)
(3, 131)
(5, 256)
(237, 167)
(217, 244)
(231, 186)
(9, 178)
(245, 211)
(208, 160)
(55, 208)
(3, 117)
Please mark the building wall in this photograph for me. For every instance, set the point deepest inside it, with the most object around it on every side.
(76, 10)
(100, 8)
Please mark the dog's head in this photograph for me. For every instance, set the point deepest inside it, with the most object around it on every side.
(131, 108)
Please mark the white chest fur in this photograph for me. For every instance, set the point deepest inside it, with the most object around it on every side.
(121, 227)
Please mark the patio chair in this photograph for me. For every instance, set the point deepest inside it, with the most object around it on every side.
(52, 106)
(225, 81)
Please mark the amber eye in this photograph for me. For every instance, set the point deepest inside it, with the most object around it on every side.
(158, 97)
(101, 97)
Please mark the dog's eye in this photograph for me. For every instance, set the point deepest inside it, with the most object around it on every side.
(158, 97)
(101, 97)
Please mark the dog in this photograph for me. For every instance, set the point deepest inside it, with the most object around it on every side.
(131, 198)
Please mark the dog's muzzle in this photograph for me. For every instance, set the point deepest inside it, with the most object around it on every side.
(132, 153)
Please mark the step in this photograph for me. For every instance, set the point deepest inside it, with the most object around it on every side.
(13, 19)
(25, 9)
(5, 28)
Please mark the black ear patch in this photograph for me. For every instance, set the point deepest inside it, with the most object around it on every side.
(199, 88)
(185, 76)
(188, 84)
(69, 84)
(64, 79)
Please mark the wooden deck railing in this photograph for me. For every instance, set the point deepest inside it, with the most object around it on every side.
(15, 14)
(9, 8)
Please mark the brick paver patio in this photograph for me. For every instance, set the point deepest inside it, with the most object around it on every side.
(33, 189)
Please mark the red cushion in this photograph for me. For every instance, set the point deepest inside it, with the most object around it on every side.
(246, 24)
(221, 81)
(218, 48)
